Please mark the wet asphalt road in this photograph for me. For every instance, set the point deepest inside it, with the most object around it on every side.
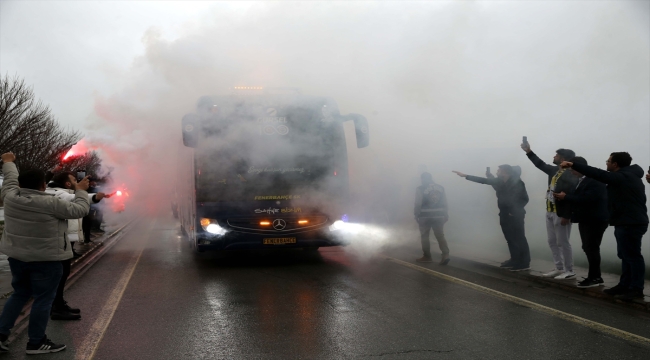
(151, 297)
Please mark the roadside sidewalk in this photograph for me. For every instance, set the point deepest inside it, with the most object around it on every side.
(538, 267)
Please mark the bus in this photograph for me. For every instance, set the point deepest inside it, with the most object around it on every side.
(263, 168)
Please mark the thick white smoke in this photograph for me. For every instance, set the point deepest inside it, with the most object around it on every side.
(453, 85)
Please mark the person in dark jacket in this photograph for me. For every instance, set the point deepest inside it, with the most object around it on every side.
(628, 214)
(431, 213)
(589, 211)
(558, 214)
(511, 200)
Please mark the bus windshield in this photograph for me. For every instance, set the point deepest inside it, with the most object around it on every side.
(246, 156)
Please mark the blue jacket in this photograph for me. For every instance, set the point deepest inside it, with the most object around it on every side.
(589, 202)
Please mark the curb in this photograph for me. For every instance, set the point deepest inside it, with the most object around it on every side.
(77, 268)
(595, 292)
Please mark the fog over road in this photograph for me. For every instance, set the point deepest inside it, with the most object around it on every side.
(151, 297)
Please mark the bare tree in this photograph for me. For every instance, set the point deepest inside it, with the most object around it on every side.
(28, 128)
(90, 162)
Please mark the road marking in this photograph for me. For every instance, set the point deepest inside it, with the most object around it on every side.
(96, 333)
(529, 304)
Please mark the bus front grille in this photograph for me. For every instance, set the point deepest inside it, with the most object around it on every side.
(278, 224)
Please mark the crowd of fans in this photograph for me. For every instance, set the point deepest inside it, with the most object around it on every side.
(577, 193)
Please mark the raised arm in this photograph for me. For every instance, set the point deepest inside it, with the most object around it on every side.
(607, 177)
(10, 172)
(540, 164)
(75, 209)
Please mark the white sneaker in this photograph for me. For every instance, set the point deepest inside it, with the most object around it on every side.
(566, 275)
(553, 273)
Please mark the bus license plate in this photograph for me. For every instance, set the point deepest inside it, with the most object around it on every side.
(279, 241)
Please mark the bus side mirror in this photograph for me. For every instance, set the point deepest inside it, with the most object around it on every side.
(190, 130)
(361, 129)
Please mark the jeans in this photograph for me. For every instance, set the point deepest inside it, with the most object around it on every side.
(515, 234)
(628, 247)
(558, 241)
(425, 225)
(38, 279)
(591, 234)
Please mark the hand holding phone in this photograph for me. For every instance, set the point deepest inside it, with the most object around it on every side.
(525, 145)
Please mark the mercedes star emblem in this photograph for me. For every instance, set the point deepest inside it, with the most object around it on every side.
(279, 224)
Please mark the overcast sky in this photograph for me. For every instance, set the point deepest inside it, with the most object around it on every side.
(69, 50)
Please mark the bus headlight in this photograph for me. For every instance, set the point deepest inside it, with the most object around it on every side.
(212, 227)
(338, 225)
(347, 228)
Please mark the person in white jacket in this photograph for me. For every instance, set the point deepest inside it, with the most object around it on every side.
(63, 186)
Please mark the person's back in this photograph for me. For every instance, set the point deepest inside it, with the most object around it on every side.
(627, 199)
(430, 212)
(36, 222)
(34, 239)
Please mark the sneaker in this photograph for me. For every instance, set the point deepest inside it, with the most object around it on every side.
(520, 268)
(424, 259)
(4, 343)
(445, 259)
(60, 314)
(630, 295)
(506, 264)
(565, 275)
(616, 290)
(553, 273)
(587, 283)
(45, 347)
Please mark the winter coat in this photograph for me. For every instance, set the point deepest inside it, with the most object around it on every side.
(565, 183)
(36, 222)
(512, 196)
(625, 193)
(75, 229)
(430, 202)
(589, 202)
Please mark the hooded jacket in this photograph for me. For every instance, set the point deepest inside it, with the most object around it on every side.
(36, 222)
(625, 193)
(565, 183)
(512, 196)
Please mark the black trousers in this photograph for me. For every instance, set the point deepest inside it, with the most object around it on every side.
(591, 234)
(515, 234)
(86, 223)
(58, 299)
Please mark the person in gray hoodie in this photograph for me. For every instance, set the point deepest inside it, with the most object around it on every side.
(35, 241)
